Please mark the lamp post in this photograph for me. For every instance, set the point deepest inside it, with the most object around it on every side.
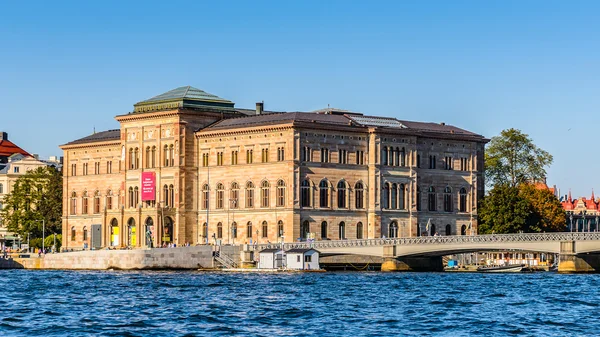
(214, 236)
(234, 201)
(256, 242)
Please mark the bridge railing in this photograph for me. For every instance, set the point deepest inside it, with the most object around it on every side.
(453, 239)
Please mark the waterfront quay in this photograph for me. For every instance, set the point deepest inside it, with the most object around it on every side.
(577, 252)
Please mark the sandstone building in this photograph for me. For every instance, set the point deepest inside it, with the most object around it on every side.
(189, 167)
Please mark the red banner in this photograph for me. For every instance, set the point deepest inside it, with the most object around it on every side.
(148, 186)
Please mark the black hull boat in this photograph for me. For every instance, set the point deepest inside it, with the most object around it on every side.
(513, 268)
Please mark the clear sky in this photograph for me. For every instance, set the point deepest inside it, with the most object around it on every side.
(67, 67)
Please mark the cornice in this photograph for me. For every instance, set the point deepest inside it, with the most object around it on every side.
(90, 144)
(242, 131)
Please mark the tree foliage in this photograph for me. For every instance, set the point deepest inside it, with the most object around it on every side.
(508, 209)
(512, 158)
(36, 196)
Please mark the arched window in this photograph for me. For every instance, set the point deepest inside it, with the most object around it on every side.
(166, 155)
(447, 199)
(305, 229)
(147, 156)
(249, 229)
(394, 197)
(403, 157)
(220, 195)
(463, 230)
(264, 194)
(130, 197)
(114, 232)
(234, 195)
(171, 196)
(73, 233)
(279, 229)
(280, 193)
(131, 159)
(97, 202)
(153, 160)
(85, 233)
(109, 199)
(384, 156)
(342, 230)
(341, 194)
(149, 228)
(205, 196)
(385, 196)
(85, 202)
(219, 230)
(166, 194)
(131, 232)
(359, 230)
(136, 196)
(393, 230)
(324, 193)
(171, 155)
(249, 195)
(305, 194)
(205, 230)
(462, 207)
(359, 195)
(402, 196)
(431, 199)
(418, 198)
(448, 230)
(324, 230)
(73, 203)
(265, 230)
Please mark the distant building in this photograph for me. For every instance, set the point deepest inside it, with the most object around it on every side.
(186, 165)
(8, 148)
(582, 213)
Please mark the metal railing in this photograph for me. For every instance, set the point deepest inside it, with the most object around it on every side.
(436, 240)
(225, 260)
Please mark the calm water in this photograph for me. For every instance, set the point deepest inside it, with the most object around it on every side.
(66, 303)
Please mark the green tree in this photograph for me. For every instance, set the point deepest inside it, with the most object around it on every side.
(548, 214)
(508, 209)
(504, 210)
(36, 196)
(512, 158)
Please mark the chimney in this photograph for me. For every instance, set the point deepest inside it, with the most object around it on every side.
(3, 135)
(260, 108)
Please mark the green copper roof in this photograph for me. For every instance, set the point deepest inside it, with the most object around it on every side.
(182, 97)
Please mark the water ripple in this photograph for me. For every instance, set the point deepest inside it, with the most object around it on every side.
(141, 303)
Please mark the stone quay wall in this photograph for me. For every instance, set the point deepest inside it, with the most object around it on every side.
(195, 257)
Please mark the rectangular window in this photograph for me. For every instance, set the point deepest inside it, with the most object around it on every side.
(109, 167)
(16, 169)
(360, 158)
(219, 158)
(298, 258)
(280, 154)
(432, 161)
(342, 157)
(308, 258)
(324, 155)
(73, 169)
(265, 155)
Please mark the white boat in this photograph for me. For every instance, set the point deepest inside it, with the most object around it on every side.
(513, 268)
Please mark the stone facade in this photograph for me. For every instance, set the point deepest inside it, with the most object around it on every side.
(234, 176)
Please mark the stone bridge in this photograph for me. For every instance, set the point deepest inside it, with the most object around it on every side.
(579, 252)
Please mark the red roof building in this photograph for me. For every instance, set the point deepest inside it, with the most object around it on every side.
(8, 148)
(582, 213)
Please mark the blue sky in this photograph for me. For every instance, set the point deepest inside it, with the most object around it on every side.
(67, 67)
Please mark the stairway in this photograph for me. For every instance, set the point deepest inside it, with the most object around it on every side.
(224, 261)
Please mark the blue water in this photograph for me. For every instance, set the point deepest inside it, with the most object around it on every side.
(69, 303)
